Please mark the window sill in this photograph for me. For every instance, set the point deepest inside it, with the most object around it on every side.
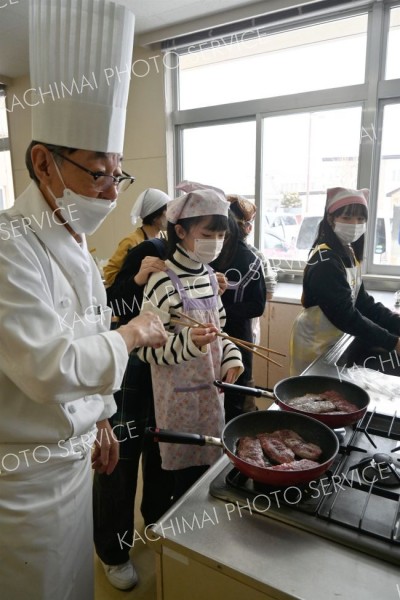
(290, 293)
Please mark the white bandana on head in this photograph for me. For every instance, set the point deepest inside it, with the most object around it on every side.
(200, 203)
(338, 197)
(201, 200)
(146, 203)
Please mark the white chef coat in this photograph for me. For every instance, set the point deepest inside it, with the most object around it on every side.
(59, 366)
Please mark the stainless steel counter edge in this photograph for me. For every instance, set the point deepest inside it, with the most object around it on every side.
(271, 556)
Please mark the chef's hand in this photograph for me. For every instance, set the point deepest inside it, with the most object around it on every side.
(145, 330)
(232, 374)
(149, 265)
(222, 282)
(397, 347)
(201, 336)
(106, 449)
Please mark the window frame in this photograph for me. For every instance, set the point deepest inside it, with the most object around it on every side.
(5, 143)
(372, 96)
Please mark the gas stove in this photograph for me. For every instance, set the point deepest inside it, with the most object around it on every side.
(355, 503)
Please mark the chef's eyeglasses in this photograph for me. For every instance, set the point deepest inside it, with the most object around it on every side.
(102, 182)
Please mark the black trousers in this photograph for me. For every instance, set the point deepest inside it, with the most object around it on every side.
(234, 402)
(185, 478)
(114, 495)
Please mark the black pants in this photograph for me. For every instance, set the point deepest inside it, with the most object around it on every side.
(185, 478)
(114, 500)
(114, 495)
(234, 402)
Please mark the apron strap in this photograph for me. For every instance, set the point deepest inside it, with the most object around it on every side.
(198, 303)
(240, 286)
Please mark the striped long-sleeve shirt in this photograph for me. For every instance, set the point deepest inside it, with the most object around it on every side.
(162, 298)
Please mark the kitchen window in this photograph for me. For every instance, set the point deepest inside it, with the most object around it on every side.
(303, 155)
(393, 45)
(223, 154)
(6, 178)
(254, 68)
(320, 94)
(387, 231)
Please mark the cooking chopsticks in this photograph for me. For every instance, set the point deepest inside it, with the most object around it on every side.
(246, 345)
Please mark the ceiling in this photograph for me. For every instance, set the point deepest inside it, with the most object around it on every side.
(151, 16)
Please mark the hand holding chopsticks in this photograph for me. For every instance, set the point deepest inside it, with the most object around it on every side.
(187, 321)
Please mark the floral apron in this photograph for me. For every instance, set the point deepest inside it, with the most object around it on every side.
(312, 332)
(185, 398)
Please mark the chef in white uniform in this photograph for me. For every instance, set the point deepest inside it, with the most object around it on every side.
(59, 363)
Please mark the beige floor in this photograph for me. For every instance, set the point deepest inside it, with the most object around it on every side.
(143, 558)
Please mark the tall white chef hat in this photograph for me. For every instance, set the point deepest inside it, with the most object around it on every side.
(146, 203)
(80, 66)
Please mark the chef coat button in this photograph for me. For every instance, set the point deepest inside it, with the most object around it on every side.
(65, 302)
(71, 409)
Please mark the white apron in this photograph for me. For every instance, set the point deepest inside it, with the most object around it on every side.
(312, 333)
(39, 540)
(185, 398)
(59, 365)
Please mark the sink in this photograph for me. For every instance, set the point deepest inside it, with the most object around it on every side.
(377, 359)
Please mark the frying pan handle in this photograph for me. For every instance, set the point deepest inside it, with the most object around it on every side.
(244, 390)
(178, 437)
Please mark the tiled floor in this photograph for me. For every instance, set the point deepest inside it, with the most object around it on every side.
(142, 557)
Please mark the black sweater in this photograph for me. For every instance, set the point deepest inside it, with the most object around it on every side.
(124, 296)
(325, 285)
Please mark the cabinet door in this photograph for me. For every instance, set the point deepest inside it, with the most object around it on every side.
(281, 318)
(276, 326)
(186, 579)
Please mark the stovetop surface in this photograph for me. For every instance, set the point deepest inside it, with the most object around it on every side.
(353, 503)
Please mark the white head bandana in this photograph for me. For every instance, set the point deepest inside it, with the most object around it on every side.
(201, 201)
(146, 203)
(339, 197)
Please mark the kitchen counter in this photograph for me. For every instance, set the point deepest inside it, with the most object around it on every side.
(291, 294)
(210, 545)
(210, 548)
(375, 371)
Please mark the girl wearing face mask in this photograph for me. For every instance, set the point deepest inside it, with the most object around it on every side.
(245, 297)
(334, 298)
(183, 372)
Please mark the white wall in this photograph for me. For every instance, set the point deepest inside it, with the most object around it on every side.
(144, 150)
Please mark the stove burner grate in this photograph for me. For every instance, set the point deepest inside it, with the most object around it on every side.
(357, 503)
(379, 469)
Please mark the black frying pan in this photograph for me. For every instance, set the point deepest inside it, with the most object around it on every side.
(264, 421)
(289, 388)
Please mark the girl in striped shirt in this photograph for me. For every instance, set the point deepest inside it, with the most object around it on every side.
(184, 369)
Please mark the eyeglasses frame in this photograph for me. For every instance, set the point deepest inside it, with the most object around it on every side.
(97, 174)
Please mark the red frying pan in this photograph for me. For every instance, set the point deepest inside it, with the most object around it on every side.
(293, 387)
(267, 421)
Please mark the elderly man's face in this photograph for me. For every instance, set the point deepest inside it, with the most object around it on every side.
(80, 181)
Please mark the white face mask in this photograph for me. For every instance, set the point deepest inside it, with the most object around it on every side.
(205, 251)
(83, 213)
(349, 232)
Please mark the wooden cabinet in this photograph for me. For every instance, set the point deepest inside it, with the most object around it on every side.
(180, 577)
(276, 326)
